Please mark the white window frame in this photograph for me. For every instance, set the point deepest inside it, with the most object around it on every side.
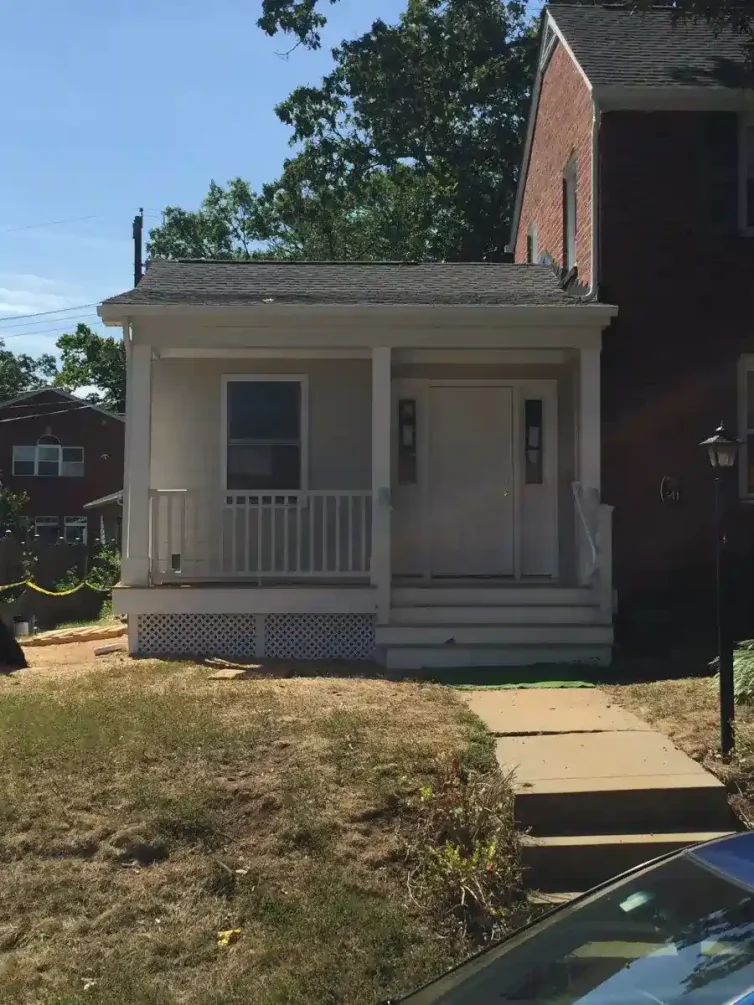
(570, 210)
(48, 521)
(78, 522)
(532, 240)
(59, 448)
(745, 122)
(288, 378)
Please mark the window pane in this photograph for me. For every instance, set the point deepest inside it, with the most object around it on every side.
(73, 454)
(23, 467)
(48, 468)
(48, 453)
(407, 441)
(24, 453)
(533, 441)
(72, 469)
(264, 467)
(264, 410)
(750, 459)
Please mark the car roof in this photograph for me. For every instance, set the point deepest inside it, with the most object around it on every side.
(732, 856)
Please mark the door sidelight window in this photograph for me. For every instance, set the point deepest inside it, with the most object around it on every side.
(407, 465)
(533, 412)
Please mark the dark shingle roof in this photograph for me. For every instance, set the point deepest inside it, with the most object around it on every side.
(213, 283)
(618, 46)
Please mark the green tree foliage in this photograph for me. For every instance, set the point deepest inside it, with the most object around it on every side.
(408, 149)
(304, 19)
(88, 359)
(20, 372)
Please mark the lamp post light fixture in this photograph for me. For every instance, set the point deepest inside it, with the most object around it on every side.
(722, 451)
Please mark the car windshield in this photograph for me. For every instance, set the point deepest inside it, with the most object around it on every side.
(677, 934)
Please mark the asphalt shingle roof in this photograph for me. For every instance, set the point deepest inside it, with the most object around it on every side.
(214, 283)
(618, 46)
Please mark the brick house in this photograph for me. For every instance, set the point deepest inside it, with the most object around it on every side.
(638, 182)
(63, 452)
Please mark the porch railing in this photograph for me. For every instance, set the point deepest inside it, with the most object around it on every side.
(256, 535)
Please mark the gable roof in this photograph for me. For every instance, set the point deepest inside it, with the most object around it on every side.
(82, 402)
(616, 46)
(223, 283)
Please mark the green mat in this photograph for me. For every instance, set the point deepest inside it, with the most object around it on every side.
(538, 675)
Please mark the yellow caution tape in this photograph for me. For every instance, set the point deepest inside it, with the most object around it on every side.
(55, 593)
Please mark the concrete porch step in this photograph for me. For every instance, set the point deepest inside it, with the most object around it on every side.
(436, 594)
(620, 780)
(491, 614)
(568, 862)
(417, 657)
(452, 635)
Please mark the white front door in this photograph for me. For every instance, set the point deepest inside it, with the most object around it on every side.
(470, 499)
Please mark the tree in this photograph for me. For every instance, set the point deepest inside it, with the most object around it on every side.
(21, 372)
(92, 360)
(303, 19)
(408, 149)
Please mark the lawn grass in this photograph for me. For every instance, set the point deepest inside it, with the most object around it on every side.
(687, 710)
(145, 809)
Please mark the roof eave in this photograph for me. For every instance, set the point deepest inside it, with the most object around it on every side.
(266, 315)
(677, 97)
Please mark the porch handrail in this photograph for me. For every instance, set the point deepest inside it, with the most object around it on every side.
(578, 491)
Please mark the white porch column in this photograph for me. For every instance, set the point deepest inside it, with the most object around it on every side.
(135, 570)
(380, 572)
(590, 436)
(589, 457)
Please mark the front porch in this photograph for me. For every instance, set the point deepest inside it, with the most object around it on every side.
(438, 505)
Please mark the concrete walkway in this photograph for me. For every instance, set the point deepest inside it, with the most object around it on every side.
(598, 789)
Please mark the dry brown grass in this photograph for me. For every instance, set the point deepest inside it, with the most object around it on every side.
(687, 710)
(144, 809)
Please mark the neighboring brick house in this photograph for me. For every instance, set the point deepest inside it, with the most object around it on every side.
(638, 182)
(62, 452)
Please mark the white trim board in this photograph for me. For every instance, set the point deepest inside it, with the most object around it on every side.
(244, 600)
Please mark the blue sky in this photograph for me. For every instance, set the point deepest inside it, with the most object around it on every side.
(127, 103)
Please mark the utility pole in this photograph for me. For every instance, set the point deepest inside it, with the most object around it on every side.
(138, 231)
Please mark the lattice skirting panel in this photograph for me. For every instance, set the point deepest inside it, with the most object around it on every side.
(232, 636)
(244, 636)
(319, 636)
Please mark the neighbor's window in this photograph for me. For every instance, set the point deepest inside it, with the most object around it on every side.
(746, 174)
(47, 459)
(569, 216)
(74, 529)
(265, 430)
(47, 528)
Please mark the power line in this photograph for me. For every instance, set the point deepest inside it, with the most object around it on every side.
(43, 415)
(53, 223)
(39, 314)
(45, 331)
(46, 321)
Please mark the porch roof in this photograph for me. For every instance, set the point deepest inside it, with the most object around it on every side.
(221, 283)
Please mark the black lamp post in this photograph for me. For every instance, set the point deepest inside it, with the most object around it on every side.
(722, 450)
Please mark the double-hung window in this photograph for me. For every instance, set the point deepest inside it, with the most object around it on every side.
(265, 433)
(48, 459)
(569, 215)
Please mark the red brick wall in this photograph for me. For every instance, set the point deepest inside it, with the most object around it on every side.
(563, 130)
(673, 262)
(101, 436)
